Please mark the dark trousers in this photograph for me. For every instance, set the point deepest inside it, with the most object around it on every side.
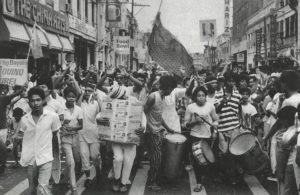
(187, 148)
(154, 145)
(3, 153)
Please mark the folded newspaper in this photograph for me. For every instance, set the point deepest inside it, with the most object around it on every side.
(119, 119)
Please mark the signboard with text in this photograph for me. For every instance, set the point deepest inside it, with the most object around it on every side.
(258, 42)
(227, 16)
(28, 11)
(122, 45)
(208, 30)
(82, 28)
(273, 36)
(13, 71)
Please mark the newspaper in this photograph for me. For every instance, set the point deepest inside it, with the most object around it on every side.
(119, 120)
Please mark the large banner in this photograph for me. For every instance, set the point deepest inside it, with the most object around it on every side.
(208, 30)
(120, 119)
(13, 71)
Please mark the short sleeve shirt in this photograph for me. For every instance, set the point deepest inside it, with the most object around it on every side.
(54, 106)
(37, 139)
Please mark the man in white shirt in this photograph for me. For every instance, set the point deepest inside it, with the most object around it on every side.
(40, 128)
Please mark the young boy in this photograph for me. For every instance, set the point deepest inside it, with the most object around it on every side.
(247, 109)
(16, 139)
(69, 133)
(40, 128)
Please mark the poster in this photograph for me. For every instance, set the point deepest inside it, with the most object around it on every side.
(13, 71)
(119, 120)
(208, 30)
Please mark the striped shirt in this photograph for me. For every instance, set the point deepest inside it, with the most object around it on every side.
(229, 115)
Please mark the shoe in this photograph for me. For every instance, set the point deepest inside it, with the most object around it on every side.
(154, 187)
(198, 188)
(87, 183)
(188, 167)
(116, 185)
(123, 188)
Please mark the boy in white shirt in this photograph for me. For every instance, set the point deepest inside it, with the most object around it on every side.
(40, 128)
(248, 110)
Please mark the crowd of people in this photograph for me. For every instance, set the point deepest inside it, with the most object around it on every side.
(61, 111)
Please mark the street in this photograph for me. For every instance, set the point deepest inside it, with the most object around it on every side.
(14, 182)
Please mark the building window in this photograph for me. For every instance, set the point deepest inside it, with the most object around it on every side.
(293, 25)
(78, 9)
(93, 14)
(287, 27)
(281, 3)
(86, 11)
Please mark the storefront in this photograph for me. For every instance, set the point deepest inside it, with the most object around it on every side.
(16, 23)
(84, 40)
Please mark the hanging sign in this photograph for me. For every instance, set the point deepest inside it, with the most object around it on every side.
(122, 45)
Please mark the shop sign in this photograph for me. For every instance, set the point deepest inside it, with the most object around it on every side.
(273, 35)
(82, 27)
(114, 12)
(13, 72)
(208, 30)
(258, 41)
(240, 57)
(122, 45)
(227, 17)
(28, 11)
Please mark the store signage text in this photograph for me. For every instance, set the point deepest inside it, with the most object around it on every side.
(258, 42)
(13, 71)
(29, 11)
(82, 27)
(227, 16)
(273, 35)
(122, 45)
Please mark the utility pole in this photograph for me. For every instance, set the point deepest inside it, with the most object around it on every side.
(131, 35)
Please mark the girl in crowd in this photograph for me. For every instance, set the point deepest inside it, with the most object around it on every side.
(200, 131)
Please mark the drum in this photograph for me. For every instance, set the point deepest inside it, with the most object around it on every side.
(203, 153)
(174, 147)
(248, 150)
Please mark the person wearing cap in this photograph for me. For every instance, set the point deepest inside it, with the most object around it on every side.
(124, 153)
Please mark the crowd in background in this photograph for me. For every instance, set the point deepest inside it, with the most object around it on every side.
(227, 103)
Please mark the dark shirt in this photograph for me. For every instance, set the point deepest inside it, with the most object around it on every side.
(4, 102)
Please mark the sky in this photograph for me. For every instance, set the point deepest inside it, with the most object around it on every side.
(181, 18)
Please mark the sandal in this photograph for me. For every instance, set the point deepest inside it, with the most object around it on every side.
(198, 188)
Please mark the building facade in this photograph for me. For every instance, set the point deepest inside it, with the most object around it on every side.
(16, 25)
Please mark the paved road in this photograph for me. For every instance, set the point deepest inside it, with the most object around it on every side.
(14, 182)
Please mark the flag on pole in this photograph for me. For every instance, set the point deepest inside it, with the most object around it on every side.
(35, 43)
(167, 51)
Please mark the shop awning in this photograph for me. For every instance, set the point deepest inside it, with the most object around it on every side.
(67, 45)
(41, 35)
(54, 41)
(10, 30)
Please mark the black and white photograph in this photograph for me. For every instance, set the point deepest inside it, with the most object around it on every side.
(149, 97)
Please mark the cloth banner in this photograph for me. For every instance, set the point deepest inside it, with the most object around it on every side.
(167, 51)
(13, 71)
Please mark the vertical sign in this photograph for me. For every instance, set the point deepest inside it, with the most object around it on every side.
(273, 35)
(113, 11)
(227, 16)
(258, 42)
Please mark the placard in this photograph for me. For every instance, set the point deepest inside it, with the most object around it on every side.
(13, 71)
(119, 120)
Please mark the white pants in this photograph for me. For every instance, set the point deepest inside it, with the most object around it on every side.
(89, 152)
(124, 155)
(273, 154)
(3, 135)
(297, 175)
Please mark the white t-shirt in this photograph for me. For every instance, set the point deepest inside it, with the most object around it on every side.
(294, 100)
(54, 106)
(207, 112)
(170, 114)
(249, 109)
